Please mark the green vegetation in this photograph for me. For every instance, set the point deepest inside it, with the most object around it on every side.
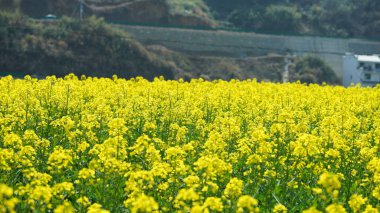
(311, 69)
(280, 17)
(90, 47)
(187, 7)
(343, 18)
(317, 17)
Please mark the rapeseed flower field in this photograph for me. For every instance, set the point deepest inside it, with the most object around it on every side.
(114, 145)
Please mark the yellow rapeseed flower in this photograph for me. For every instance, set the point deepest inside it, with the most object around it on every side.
(356, 201)
(279, 208)
(234, 188)
(213, 204)
(196, 146)
(12, 140)
(59, 160)
(144, 204)
(370, 209)
(249, 203)
(84, 201)
(66, 207)
(329, 181)
(335, 208)
(96, 208)
(7, 201)
(376, 192)
(311, 210)
(86, 173)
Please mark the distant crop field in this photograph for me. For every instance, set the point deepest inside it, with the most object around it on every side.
(114, 145)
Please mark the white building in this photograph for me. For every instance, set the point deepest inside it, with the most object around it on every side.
(363, 69)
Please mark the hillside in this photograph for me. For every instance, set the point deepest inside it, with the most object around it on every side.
(316, 17)
(343, 18)
(90, 47)
(167, 12)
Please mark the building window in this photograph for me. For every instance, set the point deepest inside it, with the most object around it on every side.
(367, 76)
(365, 67)
(377, 66)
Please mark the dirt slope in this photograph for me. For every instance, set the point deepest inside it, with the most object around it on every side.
(264, 68)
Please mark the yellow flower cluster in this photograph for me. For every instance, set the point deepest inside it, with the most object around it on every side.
(7, 201)
(115, 145)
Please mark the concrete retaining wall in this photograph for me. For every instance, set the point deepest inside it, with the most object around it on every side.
(235, 44)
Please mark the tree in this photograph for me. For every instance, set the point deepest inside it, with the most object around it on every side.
(311, 69)
(281, 18)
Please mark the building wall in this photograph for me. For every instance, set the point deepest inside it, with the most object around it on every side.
(357, 72)
(351, 73)
(236, 44)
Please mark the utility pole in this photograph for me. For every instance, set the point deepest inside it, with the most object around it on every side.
(81, 10)
(288, 62)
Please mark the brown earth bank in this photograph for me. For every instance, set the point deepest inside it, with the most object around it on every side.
(264, 68)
